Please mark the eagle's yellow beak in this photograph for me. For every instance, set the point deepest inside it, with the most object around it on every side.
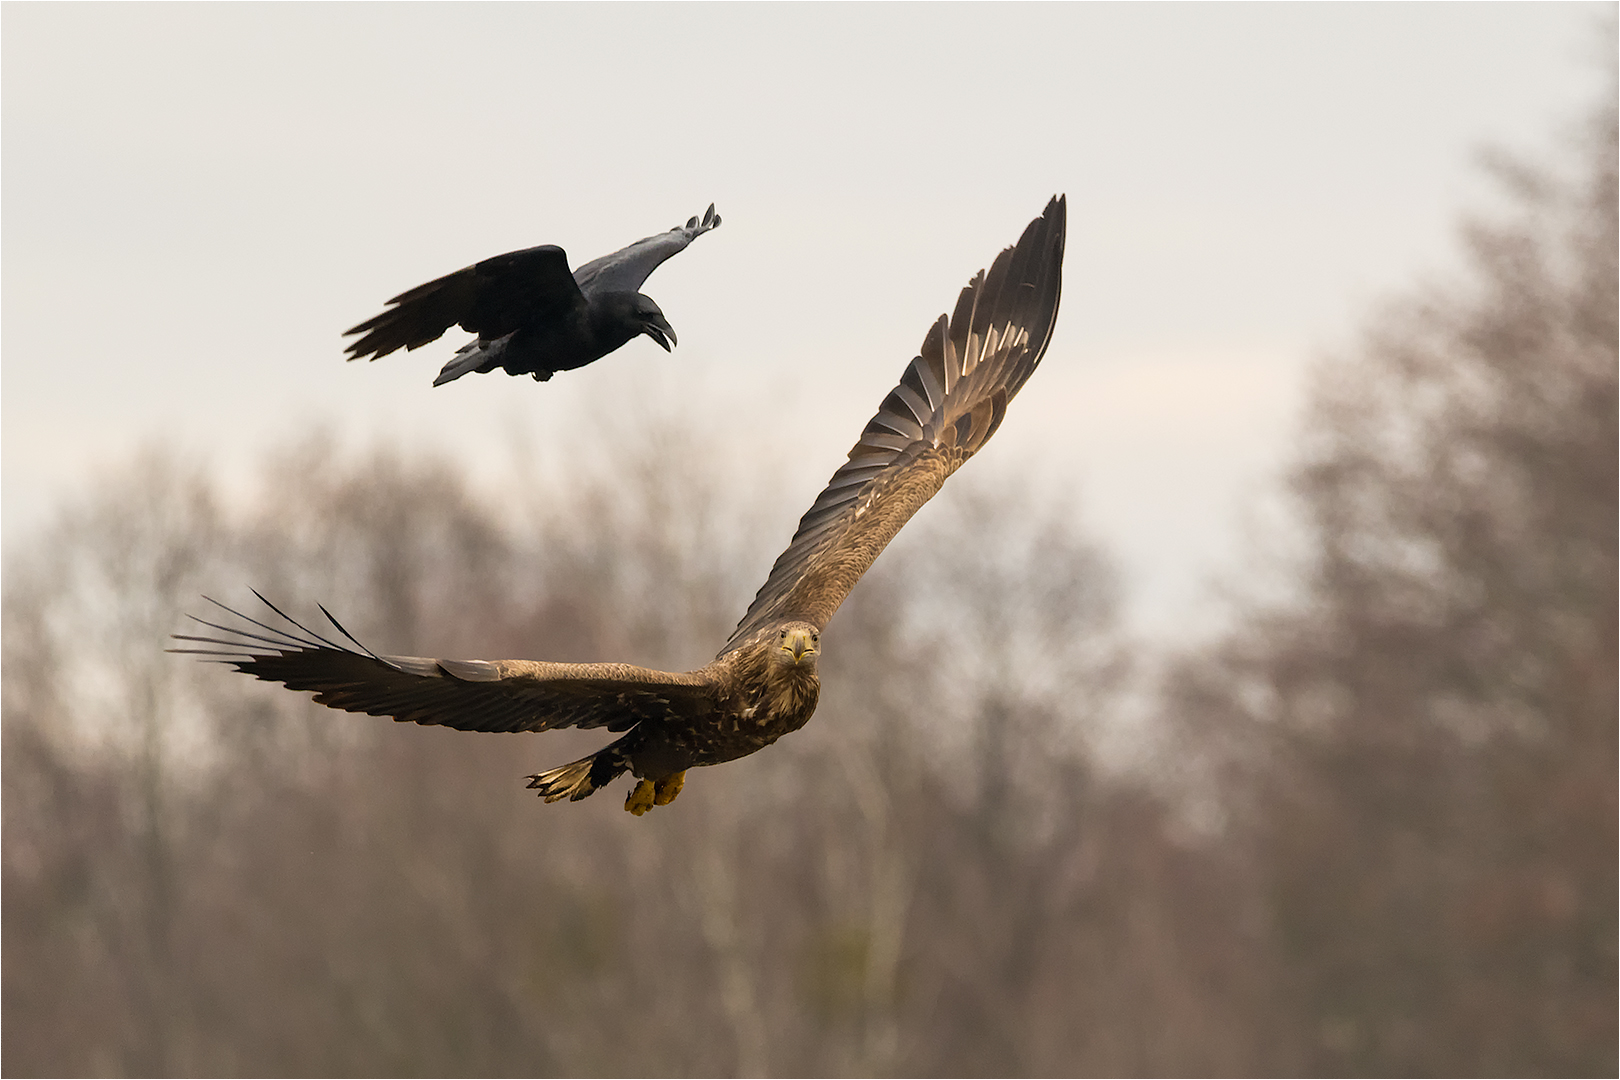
(799, 642)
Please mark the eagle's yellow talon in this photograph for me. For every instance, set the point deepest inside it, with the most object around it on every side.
(641, 798)
(665, 790)
(650, 793)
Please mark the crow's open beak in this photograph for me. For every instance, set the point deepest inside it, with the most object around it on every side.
(657, 327)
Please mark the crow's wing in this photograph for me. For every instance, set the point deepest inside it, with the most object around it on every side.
(491, 298)
(470, 695)
(627, 268)
(949, 402)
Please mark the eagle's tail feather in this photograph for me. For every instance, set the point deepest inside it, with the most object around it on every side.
(580, 778)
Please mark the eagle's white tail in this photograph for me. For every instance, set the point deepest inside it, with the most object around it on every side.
(579, 778)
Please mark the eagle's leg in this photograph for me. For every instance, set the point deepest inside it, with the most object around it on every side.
(650, 793)
(640, 799)
(665, 790)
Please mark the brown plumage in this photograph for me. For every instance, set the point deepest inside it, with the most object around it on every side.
(763, 684)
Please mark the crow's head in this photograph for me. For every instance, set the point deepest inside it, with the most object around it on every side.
(650, 321)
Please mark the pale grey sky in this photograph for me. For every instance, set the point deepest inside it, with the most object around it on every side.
(199, 198)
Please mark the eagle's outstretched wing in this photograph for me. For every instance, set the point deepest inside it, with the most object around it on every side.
(948, 404)
(491, 298)
(627, 268)
(471, 695)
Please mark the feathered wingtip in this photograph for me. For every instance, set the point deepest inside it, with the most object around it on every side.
(695, 228)
(244, 645)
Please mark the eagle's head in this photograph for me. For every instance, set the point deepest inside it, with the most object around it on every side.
(797, 645)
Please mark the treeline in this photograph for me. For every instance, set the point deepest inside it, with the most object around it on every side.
(1377, 833)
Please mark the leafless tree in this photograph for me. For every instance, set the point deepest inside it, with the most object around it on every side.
(1423, 750)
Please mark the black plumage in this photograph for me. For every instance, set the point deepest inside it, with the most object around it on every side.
(531, 315)
(764, 682)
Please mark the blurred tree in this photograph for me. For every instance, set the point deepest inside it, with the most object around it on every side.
(1426, 745)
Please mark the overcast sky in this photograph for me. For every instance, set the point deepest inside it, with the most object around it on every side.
(199, 198)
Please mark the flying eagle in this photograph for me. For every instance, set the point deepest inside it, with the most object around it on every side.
(763, 684)
(532, 316)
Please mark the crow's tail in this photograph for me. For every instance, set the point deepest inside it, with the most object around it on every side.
(478, 355)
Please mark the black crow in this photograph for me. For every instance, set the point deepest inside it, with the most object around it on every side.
(532, 316)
